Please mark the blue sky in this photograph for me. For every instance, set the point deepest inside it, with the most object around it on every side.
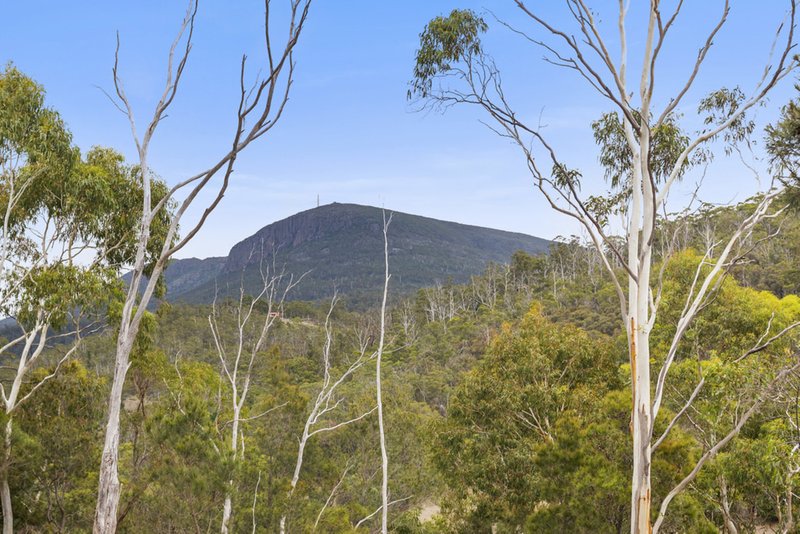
(348, 134)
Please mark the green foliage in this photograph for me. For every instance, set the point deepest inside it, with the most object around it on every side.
(97, 199)
(667, 142)
(719, 107)
(58, 289)
(89, 208)
(729, 325)
(489, 447)
(110, 206)
(783, 145)
(502, 416)
(507, 415)
(443, 42)
(527, 269)
(70, 227)
(753, 474)
(35, 150)
(58, 436)
(170, 453)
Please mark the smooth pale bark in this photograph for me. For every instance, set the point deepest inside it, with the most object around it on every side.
(378, 389)
(301, 449)
(642, 418)
(788, 519)
(8, 520)
(108, 488)
(640, 376)
(227, 505)
(259, 109)
(730, 526)
(108, 493)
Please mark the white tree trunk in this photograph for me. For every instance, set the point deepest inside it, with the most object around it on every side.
(730, 525)
(8, 514)
(379, 394)
(301, 449)
(226, 510)
(105, 520)
(228, 504)
(642, 406)
(642, 418)
(258, 112)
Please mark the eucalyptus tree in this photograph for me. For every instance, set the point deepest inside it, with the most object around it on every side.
(645, 149)
(65, 235)
(260, 106)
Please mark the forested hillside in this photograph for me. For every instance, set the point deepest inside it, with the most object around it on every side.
(353, 370)
(336, 246)
(521, 370)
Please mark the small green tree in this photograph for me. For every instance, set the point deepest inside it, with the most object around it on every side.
(507, 412)
(58, 435)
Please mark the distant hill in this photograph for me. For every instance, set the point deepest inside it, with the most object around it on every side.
(341, 245)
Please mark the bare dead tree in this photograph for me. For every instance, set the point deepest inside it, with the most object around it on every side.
(408, 321)
(255, 501)
(260, 107)
(642, 158)
(378, 383)
(327, 399)
(326, 402)
(237, 361)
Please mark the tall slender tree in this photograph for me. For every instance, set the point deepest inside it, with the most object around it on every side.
(260, 106)
(645, 151)
(326, 404)
(379, 381)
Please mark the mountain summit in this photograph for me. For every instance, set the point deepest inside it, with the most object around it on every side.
(341, 246)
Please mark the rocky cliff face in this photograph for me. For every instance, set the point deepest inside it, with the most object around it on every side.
(341, 245)
(291, 233)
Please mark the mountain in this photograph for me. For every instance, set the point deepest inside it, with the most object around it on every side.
(341, 245)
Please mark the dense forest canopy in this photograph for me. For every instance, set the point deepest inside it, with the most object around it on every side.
(520, 371)
(642, 376)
